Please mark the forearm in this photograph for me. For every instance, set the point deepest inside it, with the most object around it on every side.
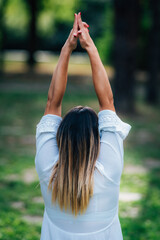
(59, 78)
(100, 79)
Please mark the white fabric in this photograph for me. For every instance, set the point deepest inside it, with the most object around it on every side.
(100, 221)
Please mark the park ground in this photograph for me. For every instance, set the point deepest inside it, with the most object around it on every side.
(23, 96)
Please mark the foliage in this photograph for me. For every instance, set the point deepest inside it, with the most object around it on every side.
(15, 20)
(49, 14)
(54, 21)
(106, 40)
(52, 12)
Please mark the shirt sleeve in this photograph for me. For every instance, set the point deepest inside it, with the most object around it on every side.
(47, 152)
(112, 132)
(109, 121)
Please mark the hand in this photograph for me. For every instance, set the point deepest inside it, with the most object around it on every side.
(73, 36)
(83, 33)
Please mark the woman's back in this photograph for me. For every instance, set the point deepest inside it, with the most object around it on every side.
(80, 165)
(101, 216)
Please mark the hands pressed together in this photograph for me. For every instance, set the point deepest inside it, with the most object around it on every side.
(79, 31)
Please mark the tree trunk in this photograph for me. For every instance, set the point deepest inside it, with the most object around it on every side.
(32, 31)
(126, 31)
(154, 54)
(2, 34)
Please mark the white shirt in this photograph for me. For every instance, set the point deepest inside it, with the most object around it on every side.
(100, 221)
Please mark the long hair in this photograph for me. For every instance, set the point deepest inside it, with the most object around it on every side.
(78, 141)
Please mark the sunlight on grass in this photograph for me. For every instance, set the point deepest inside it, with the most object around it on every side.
(75, 67)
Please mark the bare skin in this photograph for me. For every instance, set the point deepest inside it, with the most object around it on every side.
(59, 79)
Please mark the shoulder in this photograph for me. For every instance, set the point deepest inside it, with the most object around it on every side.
(108, 120)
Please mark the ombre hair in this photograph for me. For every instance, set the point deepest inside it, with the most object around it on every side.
(72, 179)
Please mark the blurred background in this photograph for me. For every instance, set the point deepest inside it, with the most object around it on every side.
(127, 35)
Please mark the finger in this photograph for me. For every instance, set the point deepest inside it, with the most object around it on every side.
(85, 24)
(80, 23)
(75, 25)
(75, 34)
(79, 32)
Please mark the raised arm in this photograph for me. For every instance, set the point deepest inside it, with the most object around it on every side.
(59, 79)
(100, 79)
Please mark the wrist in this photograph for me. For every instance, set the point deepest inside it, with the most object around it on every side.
(91, 48)
(67, 48)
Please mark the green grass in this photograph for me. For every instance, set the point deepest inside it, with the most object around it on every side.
(20, 112)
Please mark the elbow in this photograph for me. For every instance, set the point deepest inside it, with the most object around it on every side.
(107, 103)
(111, 99)
(48, 103)
(53, 102)
(49, 99)
(111, 102)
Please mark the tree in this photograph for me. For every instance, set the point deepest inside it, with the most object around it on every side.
(154, 53)
(127, 15)
(93, 12)
(2, 33)
(32, 31)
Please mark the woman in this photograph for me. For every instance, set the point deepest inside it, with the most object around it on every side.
(79, 158)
